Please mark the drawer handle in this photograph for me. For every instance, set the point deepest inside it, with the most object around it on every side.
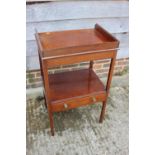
(65, 106)
(94, 99)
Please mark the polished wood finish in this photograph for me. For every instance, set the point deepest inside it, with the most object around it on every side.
(52, 62)
(75, 42)
(102, 111)
(68, 90)
(76, 83)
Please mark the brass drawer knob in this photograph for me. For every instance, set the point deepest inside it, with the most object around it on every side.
(65, 106)
(94, 99)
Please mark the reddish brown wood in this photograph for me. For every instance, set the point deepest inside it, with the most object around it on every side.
(91, 64)
(62, 43)
(77, 102)
(110, 73)
(79, 58)
(102, 111)
(64, 91)
(73, 84)
(106, 34)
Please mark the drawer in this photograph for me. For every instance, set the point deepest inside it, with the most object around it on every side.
(67, 104)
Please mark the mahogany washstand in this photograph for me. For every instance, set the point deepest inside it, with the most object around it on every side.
(72, 89)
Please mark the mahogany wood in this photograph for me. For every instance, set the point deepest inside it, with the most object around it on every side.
(74, 84)
(102, 111)
(77, 102)
(52, 62)
(64, 91)
(91, 64)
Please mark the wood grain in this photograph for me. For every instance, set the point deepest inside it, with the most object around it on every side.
(31, 49)
(33, 61)
(86, 83)
(68, 90)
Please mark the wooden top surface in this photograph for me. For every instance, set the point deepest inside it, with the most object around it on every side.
(60, 43)
(72, 38)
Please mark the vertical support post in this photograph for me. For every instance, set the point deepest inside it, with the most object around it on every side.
(90, 76)
(48, 95)
(44, 73)
(102, 112)
(41, 70)
(91, 64)
(111, 69)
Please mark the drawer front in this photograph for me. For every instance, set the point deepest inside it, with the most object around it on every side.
(76, 102)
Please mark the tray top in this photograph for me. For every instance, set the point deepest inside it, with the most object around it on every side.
(59, 43)
(56, 40)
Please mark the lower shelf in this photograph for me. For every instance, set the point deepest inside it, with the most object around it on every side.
(81, 86)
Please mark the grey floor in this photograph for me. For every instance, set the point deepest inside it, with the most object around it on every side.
(78, 132)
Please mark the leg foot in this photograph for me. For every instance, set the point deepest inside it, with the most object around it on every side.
(102, 112)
